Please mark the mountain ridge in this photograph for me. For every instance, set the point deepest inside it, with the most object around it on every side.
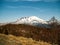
(32, 20)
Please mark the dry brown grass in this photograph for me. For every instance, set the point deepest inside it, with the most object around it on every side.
(51, 35)
(13, 40)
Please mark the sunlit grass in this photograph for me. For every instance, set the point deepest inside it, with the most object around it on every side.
(13, 40)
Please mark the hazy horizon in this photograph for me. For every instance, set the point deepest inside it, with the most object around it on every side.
(11, 10)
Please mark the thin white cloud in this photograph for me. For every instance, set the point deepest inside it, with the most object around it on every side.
(50, 0)
(12, 0)
(31, 0)
(11, 7)
(29, 7)
(23, 7)
(34, 0)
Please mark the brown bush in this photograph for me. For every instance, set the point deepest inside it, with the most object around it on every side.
(37, 33)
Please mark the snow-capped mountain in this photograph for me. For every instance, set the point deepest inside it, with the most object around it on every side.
(33, 20)
(30, 20)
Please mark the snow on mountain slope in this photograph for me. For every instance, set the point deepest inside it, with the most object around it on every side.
(30, 20)
(33, 20)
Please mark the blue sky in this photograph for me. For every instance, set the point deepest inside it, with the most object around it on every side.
(11, 10)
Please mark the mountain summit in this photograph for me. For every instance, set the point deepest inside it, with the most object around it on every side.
(30, 20)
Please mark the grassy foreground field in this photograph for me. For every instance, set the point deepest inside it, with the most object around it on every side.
(13, 40)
